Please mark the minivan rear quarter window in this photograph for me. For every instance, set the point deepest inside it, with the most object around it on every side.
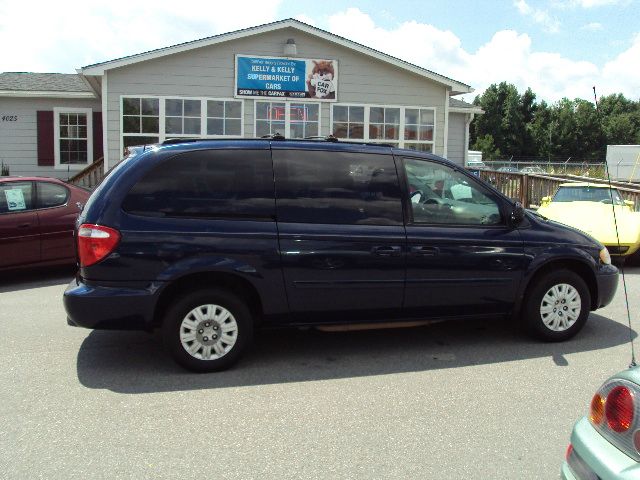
(336, 188)
(207, 184)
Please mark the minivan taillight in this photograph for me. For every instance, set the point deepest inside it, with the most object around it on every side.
(95, 242)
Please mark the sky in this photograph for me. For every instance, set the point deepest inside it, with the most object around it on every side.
(559, 48)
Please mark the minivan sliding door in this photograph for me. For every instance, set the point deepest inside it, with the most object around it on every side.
(341, 232)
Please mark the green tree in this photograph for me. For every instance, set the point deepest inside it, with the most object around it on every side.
(503, 118)
(487, 147)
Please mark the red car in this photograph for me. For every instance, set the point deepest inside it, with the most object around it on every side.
(37, 220)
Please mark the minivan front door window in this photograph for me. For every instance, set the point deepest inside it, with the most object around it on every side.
(441, 195)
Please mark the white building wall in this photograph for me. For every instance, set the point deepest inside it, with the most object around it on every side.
(210, 72)
(19, 139)
(456, 140)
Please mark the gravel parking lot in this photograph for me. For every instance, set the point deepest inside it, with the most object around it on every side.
(454, 400)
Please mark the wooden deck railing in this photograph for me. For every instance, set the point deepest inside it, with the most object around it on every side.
(529, 189)
(90, 176)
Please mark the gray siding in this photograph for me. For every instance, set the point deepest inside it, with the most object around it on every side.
(19, 140)
(456, 143)
(209, 72)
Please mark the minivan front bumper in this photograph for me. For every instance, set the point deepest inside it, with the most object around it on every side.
(109, 308)
(607, 279)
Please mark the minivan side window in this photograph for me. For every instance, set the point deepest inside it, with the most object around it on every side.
(441, 195)
(336, 188)
(207, 184)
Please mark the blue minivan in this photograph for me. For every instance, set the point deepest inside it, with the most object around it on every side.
(211, 239)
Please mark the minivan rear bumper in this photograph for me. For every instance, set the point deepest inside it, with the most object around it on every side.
(109, 308)
(607, 278)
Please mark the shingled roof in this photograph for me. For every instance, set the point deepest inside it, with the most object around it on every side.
(29, 83)
(461, 106)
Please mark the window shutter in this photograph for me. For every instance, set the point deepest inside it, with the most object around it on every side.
(45, 139)
(97, 135)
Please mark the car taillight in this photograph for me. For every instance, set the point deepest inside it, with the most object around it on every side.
(618, 409)
(596, 413)
(613, 413)
(95, 242)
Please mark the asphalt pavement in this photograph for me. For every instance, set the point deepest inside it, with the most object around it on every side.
(454, 400)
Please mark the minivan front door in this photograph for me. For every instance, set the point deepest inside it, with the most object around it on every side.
(341, 233)
(463, 257)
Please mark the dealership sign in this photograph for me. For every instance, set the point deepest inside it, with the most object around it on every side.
(286, 78)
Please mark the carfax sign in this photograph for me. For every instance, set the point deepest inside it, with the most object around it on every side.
(286, 78)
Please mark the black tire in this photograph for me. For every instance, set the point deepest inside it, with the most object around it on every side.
(532, 317)
(204, 329)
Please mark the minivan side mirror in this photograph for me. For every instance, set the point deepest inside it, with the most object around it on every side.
(517, 215)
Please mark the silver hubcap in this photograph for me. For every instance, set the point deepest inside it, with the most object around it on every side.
(208, 332)
(560, 307)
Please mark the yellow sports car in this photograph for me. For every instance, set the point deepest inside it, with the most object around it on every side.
(588, 207)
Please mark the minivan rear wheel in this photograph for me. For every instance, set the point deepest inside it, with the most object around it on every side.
(556, 306)
(207, 330)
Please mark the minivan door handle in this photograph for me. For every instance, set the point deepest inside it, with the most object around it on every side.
(387, 251)
(423, 251)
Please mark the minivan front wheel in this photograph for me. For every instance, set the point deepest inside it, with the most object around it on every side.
(556, 306)
(207, 330)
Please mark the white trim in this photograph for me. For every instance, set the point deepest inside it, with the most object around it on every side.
(57, 111)
(467, 122)
(105, 119)
(48, 94)
(401, 140)
(100, 68)
(287, 113)
(162, 135)
(477, 110)
(445, 136)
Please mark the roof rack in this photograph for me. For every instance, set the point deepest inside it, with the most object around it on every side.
(326, 138)
(171, 141)
(274, 136)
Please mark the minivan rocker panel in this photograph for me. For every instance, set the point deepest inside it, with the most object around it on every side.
(209, 240)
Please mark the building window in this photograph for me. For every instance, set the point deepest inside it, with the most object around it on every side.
(140, 121)
(384, 123)
(182, 117)
(405, 127)
(224, 117)
(419, 128)
(348, 122)
(147, 120)
(73, 138)
(293, 120)
(304, 120)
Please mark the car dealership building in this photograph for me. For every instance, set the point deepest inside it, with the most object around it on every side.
(285, 77)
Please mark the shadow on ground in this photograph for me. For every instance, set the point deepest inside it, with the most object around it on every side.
(135, 362)
(16, 280)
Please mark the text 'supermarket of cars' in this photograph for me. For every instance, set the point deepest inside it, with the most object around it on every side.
(209, 240)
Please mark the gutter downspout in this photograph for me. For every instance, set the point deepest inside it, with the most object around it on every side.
(470, 118)
(105, 124)
(445, 130)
